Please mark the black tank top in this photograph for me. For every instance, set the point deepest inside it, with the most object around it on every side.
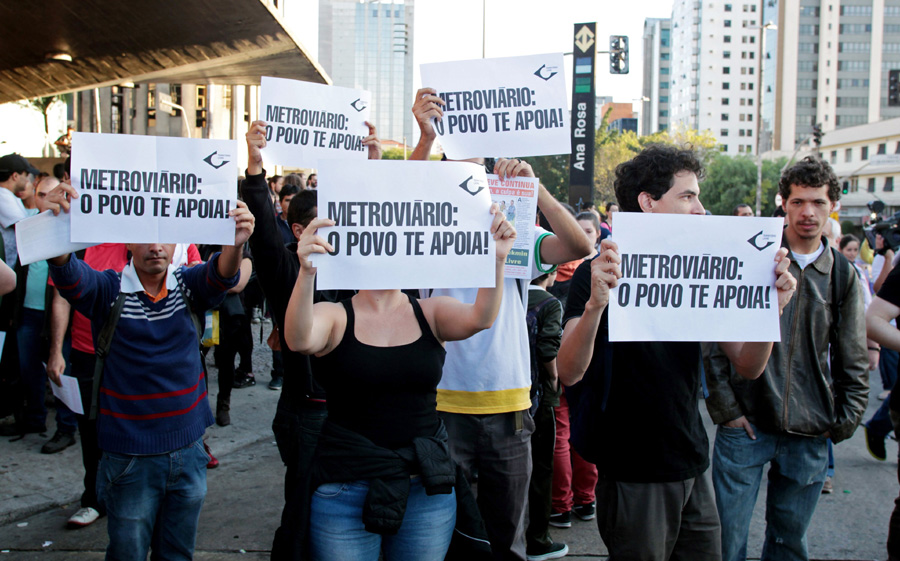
(387, 394)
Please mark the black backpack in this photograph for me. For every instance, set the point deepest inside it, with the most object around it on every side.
(532, 321)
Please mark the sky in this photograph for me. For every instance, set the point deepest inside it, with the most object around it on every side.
(446, 31)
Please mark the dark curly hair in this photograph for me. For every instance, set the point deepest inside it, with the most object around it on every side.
(813, 172)
(653, 171)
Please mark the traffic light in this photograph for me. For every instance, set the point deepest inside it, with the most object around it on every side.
(846, 187)
(894, 88)
(817, 134)
(618, 54)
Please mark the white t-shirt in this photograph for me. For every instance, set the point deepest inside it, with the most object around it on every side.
(11, 211)
(804, 259)
(490, 372)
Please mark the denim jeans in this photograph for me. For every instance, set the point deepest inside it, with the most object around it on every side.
(34, 375)
(796, 477)
(153, 502)
(887, 367)
(337, 532)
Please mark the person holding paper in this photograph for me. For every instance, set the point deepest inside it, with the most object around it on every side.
(634, 404)
(814, 387)
(383, 446)
(301, 406)
(152, 409)
(7, 279)
(483, 397)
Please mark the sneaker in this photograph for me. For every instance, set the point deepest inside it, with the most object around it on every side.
(586, 512)
(828, 488)
(875, 444)
(16, 429)
(243, 379)
(561, 520)
(276, 383)
(884, 395)
(213, 462)
(83, 517)
(59, 442)
(553, 551)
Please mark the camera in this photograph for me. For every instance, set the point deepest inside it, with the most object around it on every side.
(888, 228)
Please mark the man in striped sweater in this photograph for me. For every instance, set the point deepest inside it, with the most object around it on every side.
(153, 407)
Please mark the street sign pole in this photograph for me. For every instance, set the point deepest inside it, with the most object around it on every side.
(581, 162)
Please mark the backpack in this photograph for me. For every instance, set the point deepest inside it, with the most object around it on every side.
(533, 324)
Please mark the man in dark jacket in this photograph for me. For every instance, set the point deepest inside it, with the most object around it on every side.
(301, 407)
(804, 396)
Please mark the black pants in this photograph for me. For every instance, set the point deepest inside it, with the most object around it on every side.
(83, 370)
(234, 339)
(297, 429)
(540, 488)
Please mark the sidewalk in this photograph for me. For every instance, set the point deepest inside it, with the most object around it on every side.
(245, 498)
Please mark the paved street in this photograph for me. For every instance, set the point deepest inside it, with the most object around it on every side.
(38, 493)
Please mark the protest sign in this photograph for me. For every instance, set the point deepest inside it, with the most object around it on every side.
(153, 189)
(306, 122)
(44, 235)
(514, 106)
(405, 225)
(517, 198)
(695, 278)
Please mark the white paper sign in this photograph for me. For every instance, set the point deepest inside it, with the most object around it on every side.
(306, 122)
(153, 189)
(695, 278)
(405, 225)
(68, 393)
(44, 235)
(512, 106)
(517, 198)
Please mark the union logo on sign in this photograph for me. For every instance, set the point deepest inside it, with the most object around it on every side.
(584, 39)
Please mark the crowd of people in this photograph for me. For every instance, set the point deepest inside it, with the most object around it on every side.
(451, 423)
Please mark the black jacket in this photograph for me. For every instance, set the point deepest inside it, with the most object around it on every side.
(343, 455)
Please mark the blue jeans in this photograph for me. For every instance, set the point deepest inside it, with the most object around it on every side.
(337, 533)
(153, 502)
(796, 477)
(34, 375)
(887, 367)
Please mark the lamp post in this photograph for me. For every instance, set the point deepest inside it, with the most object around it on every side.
(759, 99)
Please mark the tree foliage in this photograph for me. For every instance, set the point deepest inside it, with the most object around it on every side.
(731, 181)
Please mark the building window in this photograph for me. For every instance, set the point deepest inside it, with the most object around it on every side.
(740, 132)
(727, 7)
(726, 101)
(856, 10)
(848, 155)
(664, 70)
(889, 183)
(882, 148)
(726, 54)
(663, 85)
(728, 38)
(726, 86)
(897, 149)
(726, 70)
(664, 99)
(834, 156)
(749, 132)
(864, 153)
(723, 132)
(871, 187)
(855, 28)
(724, 116)
(663, 112)
(727, 23)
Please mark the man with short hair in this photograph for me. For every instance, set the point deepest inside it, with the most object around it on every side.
(284, 198)
(313, 181)
(15, 173)
(654, 494)
(152, 400)
(814, 386)
(742, 209)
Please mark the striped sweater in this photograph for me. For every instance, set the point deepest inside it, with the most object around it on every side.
(153, 398)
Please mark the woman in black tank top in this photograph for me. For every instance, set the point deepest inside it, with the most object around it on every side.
(381, 356)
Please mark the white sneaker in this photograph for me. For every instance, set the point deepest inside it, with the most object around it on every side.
(84, 517)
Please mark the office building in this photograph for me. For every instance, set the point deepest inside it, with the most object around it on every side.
(369, 45)
(657, 73)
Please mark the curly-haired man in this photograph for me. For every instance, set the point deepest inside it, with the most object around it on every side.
(634, 405)
(814, 386)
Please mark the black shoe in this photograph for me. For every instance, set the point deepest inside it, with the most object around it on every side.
(585, 512)
(223, 412)
(59, 442)
(243, 379)
(276, 383)
(18, 430)
(875, 444)
(553, 551)
(561, 519)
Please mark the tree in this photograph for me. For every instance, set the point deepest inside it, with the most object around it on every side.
(553, 172)
(43, 105)
(731, 181)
